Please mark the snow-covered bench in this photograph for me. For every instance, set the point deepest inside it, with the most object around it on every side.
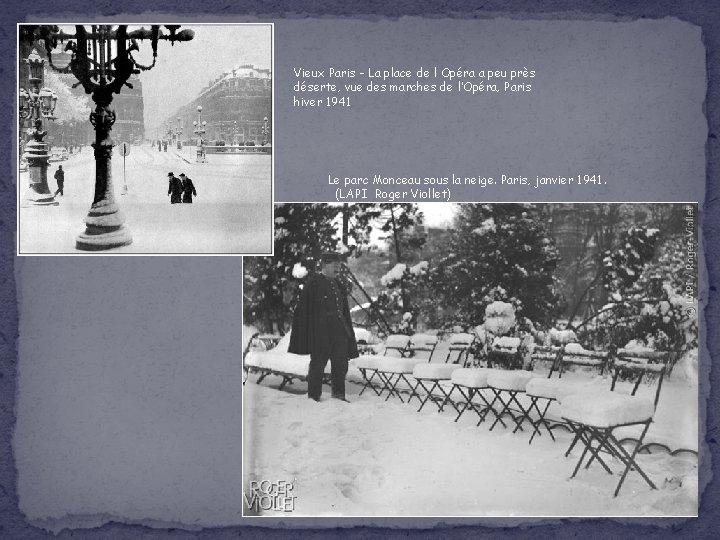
(289, 366)
(277, 361)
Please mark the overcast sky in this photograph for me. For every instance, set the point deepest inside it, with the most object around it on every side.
(186, 68)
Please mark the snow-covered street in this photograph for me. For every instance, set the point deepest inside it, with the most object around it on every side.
(231, 214)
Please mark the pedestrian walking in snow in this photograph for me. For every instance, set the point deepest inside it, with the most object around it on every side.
(60, 179)
(323, 329)
(188, 189)
(174, 188)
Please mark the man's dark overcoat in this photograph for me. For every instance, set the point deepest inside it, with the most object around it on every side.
(175, 189)
(188, 189)
(311, 319)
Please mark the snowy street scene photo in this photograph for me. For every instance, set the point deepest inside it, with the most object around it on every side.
(153, 139)
(485, 360)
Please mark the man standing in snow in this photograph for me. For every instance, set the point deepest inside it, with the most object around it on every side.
(175, 188)
(323, 329)
(60, 179)
(188, 188)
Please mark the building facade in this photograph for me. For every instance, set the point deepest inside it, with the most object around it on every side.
(128, 105)
(237, 107)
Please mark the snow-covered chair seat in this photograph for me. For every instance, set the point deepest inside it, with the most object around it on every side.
(575, 354)
(394, 370)
(548, 391)
(434, 375)
(607, 409)
(470, 382)
(460, 343)
(367, 364)
(423, 343)
(594, 416)
(506, 385)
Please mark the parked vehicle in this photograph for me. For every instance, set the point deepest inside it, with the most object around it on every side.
(59, 154)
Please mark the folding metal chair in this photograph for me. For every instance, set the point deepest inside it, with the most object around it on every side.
(543, 392)
(422, 343)
(506, 385)
(460, 343)
(368, 364)
(433, 375)
(470, 382)
(574, 354)
(393, 371)
(399, 343)
(594, 417)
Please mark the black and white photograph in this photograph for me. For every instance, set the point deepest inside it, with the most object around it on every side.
(145, 139)
(484, 360)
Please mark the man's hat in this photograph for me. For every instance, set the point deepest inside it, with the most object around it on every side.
(182, 174)
(170, 174)
(331, 256)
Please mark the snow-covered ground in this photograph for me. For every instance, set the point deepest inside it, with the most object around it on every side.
(231, 214)
(374, 457)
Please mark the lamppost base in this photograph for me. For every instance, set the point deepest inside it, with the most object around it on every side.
(104, 229)
(88, 241)
(32, 198)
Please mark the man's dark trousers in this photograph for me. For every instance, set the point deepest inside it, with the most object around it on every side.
(338, 362)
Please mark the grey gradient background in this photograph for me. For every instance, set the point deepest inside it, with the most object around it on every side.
(104, 274)
(623, 100)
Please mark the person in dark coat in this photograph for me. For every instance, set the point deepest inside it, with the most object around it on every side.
(323, 329)
(174, 188)
(60, 179)
(188, 189)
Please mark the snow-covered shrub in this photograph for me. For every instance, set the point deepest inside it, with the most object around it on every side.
(499, 318)
(499, 252)
(657, 308)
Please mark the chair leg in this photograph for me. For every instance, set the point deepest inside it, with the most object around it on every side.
(498, 415)
(428, 394)
(629, 459)
(524, 413)
(447, 397)
(468, 400)
(601, 436)
(541, 421)
(368, 381)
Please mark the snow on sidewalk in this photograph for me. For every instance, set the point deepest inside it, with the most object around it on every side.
(377, 458)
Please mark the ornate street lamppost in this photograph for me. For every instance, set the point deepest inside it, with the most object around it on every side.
(35, 105)
(265, 131)
(200, 131)
(102, 61)
(178, 133)
(235, 141)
